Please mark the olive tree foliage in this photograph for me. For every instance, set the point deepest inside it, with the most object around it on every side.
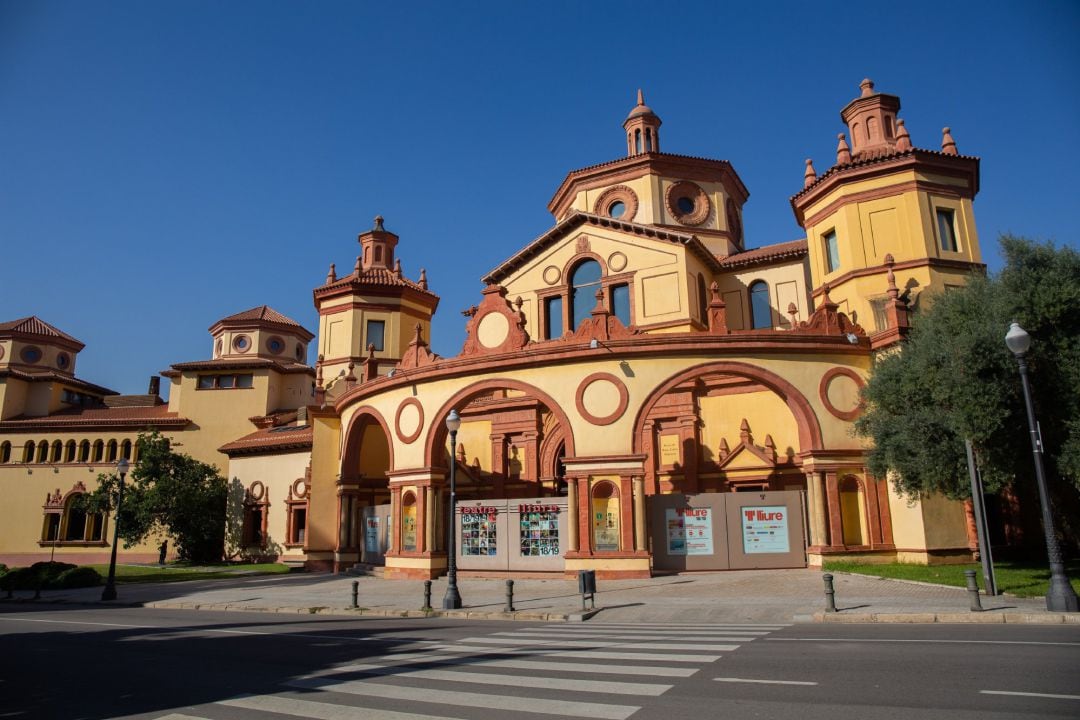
(954, 378)
(168, 493)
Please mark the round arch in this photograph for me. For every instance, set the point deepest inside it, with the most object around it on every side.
(436, 434)
(809, 427)
(350, 456)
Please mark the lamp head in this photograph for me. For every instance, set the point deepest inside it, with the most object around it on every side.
(122, 466)
(453, 421)
(1017, 339)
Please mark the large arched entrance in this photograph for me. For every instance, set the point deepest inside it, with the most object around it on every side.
(364, 512)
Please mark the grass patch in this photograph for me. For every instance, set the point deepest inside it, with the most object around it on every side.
(1023, 579)
(181, 571)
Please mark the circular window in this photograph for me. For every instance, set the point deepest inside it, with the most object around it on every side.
(30, 354)
(618, 202)
(299, 352)
(63, 361)
(217, 348)
(1, 352)
(241, 343)
(275, 345)
(687, 203)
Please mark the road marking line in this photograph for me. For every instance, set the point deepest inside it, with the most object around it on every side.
(679, 646)
(543, 706)
(84, 622)
(732, 636)
(608, 669)
(683, 626)
(764, 682)
(1030, 694)
(595, 655)
(178, 716)
(943, 642)
(544, 683)
(529, 641)
(317, 710)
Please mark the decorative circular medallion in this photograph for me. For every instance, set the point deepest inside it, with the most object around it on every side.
(409, 420)
(299, 488)
(619, 202)
(493, 329)
(552, 274)
(839, 388)
(687, 203)
(602, 398)
(241, 343)
(616, 261)
(275, 345)
(31, 354)
(256, 490)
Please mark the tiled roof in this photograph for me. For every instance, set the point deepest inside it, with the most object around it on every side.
(767, 254)
(867, 158)
(34, 325)
(265, 313)
(138, 417)
(376, 277)
(657, 155)
(53, 376)
(254, 363)
(275, 439)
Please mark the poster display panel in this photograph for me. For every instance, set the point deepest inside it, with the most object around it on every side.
(765, 529)
(371, 534)
(606, 523)
(539, 530)
(479, 531)
(689, 531)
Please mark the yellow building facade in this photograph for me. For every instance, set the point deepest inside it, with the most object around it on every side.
(638, 391)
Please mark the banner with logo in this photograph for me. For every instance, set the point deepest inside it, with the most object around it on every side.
(689, 531)
(765, 529)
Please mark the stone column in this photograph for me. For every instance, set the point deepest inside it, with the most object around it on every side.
(571, 515)
(639, 513)
(816, 505)
(429, 518)
(832, 508)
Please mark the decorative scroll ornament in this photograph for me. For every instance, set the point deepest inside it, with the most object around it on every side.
(827, 320)
(417, 355)
(496, 326)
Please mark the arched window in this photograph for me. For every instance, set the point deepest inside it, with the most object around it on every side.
(584, 282)
(42, 451)
(70, 451)
(637, 141)
(125, 450)
(110, 455)
(84, 451)
(57, 452)
(852, 519)
(648, 140)
(703, 299)
(28, 452)
(5, 452)
(408, 522)
(761, 312)
(99, 450)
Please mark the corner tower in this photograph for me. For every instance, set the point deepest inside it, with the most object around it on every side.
(887, 204)
(369, 316)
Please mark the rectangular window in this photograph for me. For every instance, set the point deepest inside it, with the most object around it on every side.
(375, 332)
(553, 315)
(225, 382)
(832, 251)
(244, 381)
(881, 318)
(620, 303)
(206, 382)
(946, 227)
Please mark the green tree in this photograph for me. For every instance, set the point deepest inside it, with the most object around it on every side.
(953, 378)
(170, 493)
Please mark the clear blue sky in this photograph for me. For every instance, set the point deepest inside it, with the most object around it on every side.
(165, 164)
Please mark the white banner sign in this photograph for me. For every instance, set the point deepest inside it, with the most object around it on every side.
(765, 529)
(689, 531)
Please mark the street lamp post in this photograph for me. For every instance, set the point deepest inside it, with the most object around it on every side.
(1061, 597)
(452, 599)
(109, 593)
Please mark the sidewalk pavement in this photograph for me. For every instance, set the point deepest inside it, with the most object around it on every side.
(747, 596)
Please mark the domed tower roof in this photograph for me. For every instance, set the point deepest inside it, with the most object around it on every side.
(642, 128)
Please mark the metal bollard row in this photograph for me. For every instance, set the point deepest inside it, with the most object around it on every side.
(427, 596)
(830, 594)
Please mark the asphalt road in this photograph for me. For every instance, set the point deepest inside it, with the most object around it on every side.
(64, 662)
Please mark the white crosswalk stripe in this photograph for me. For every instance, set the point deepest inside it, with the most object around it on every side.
(556, 670)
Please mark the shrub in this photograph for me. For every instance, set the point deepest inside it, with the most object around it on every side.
(48, 572)
(78, 577)
(20, 579)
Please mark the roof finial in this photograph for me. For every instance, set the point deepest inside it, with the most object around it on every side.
(810, 175)
(397, 267)
(867, 87)
(948, 145)
(890, 277)
(379, 222)
(331, 276)
(843, 152)
(358, 266)
(640, 97)
(423, 279)
(903, 140)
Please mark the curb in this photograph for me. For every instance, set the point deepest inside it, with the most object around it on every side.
(1000, 618)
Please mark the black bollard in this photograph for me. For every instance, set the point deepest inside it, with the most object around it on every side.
(509, 596)
(830, 594)
(355, 593)
(427, 596)
(973, 590)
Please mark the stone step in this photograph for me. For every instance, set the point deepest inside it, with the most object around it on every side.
(366, 569)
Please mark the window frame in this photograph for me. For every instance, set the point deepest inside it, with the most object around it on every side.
(214, 381)
(760, 288)
(939, 214)
(829, 255)
(368, 324)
